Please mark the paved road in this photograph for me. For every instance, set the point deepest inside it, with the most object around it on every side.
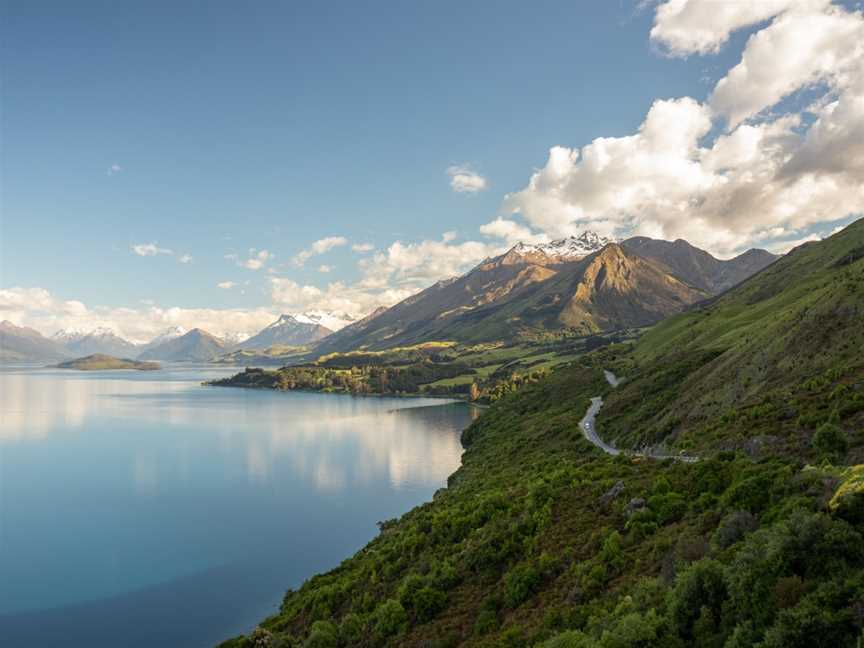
(589, 430)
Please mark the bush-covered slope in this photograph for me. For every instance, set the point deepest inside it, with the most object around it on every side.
(775, 359)
(540, 538)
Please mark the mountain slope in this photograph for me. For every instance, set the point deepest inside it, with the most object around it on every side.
(288, 330)
(697, 267)
(22, 344)
(779, 355)
(195, 346)
(99, 341)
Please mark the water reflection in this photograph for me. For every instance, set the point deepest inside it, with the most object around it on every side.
(113, 484)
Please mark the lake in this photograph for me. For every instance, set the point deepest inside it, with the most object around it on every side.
(143, 509)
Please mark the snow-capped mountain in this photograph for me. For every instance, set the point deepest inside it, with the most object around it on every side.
(99, 340)
(571, 248)
(288, 330)
(328, 319)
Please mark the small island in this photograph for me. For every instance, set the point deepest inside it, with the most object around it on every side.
(103, 362)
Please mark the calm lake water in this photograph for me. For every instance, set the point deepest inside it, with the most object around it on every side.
(142, 509)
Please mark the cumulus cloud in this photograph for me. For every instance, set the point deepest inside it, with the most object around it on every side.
(291, 296)
(114, 169)
(511, 232)
(769, 176)
(318, 247)
(362, 247)
(256, 260)
(324, 268)
(149, 249)
(416, 265)
(685, 27)
(226, 285)
(185, 258)
(463, 179)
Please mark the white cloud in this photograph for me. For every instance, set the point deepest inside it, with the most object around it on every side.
(463, 179)
(114, 169)
(362, 247)
(511, 232)
(185, 258)
(257, 259)
(290, 296)
(768, 177)
(226, 285)
(324, 268)
(416, 265)
(686, 27)
(318, 247)
(149, 249)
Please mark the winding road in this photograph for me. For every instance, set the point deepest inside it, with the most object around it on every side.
(589, 430)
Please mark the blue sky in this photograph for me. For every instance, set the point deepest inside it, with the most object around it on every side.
(213, 128)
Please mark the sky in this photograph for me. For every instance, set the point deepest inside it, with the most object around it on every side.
(215, 164)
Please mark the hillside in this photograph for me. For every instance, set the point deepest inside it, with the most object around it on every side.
(568, 287)
(22, 344)
(195, 346)
(540, 540)
(102, 362)
(776, 357)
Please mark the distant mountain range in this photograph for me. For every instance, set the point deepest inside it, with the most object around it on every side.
(101, 340)
(585, 284)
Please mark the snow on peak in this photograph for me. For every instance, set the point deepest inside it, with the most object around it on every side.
(572, 247)
(169, 334)
(69, 335)
(332, 320)
(234, 337)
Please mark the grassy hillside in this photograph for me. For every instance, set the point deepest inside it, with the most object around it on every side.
(775, 360)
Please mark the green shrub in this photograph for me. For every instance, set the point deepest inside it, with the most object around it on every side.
(830, 441)
(520, 584)
(390, 617)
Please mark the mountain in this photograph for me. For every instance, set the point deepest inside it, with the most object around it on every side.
(22, 344)
(697, 267)
(233, 338)
(288, 330)
(100, 340)
(168, 334)
(195, 346)
(532, 290)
